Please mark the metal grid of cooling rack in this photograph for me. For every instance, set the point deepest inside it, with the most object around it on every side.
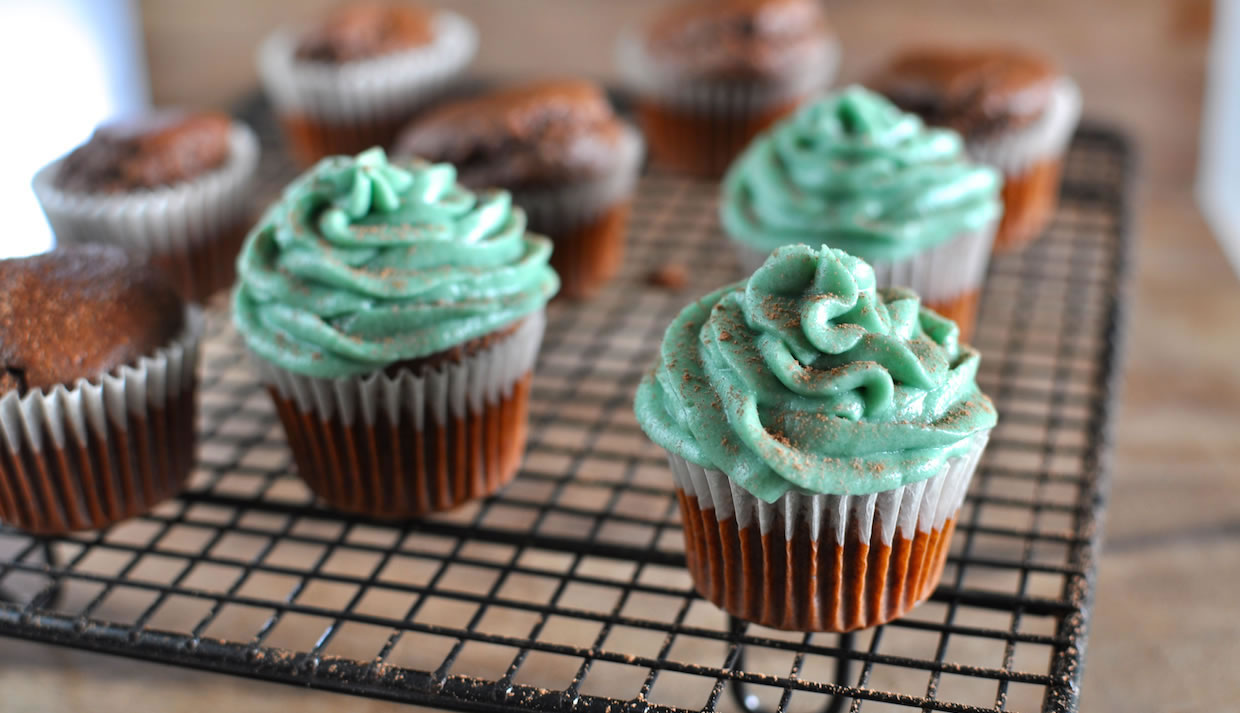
(567, 591)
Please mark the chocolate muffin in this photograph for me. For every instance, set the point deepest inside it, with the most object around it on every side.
(153, 151)
(365, 30)
(1015, 109)
(97, 394)
(352, 79)
(79, 313)
(711, 74)
(171, 187)
(562, 152)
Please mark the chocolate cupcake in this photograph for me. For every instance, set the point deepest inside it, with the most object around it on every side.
(172, 188)
(822, 435)
(98, 391)
(852, 171)
(710, 74)
(395, 317)
(1016, 111)
(562, 152)
(353, 79)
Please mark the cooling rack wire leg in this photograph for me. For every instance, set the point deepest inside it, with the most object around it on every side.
(749, 702)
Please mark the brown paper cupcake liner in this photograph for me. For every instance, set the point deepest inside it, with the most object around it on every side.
(702, 145)
(88, 456)
(192, 231)
(961, 309)
(819, 562)
(345, 109)
(587, 221)
(396, 446)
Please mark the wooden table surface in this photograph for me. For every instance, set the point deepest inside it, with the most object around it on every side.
(1166, 634)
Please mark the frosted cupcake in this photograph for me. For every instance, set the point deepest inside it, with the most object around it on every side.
(854, 172)
(710, 74)
(822, 434)
(1016, 111)
(353, 79)
(395, 317)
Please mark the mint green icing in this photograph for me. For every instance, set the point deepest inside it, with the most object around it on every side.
(854, 172)
(806, 377)
(363, 263)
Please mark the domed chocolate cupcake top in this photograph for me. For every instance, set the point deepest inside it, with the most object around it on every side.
(81, 312)
(365, 30)
(738, 39)
(536, 134)
(973, 91)
(153, 151)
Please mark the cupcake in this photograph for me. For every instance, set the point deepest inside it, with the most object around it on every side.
(1016, 111)
(352, 80)
(395, 317)
(561, 151)
(172, 188)
(708, 75)
(822, 434)
(98, 390)
(854, 172)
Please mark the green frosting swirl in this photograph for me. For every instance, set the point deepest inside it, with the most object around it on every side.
(854, 172)
(806, 377)
(363, 263)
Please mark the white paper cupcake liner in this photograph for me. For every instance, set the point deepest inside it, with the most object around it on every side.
(650, 78)
(450, 391)
(370, 90)
(560, 210)
(89, 455)
(811, 562)
(941, 273)
(1014, 152)
(400, 446)
(925, 505)
(172, 221)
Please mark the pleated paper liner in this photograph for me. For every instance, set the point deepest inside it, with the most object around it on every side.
(819, 562)
(91, 455)
(588, 221)
(329, 109)
(948, 277)
(192, 231)
(697, 127)
(397, 446)
(1030, 159)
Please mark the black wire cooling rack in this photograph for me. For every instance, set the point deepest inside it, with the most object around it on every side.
(567, 592)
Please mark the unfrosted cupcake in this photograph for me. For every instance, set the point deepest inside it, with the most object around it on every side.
(396, 317)
(353, 79)
(854, 172)
(1016, 111)
(710, 74)
(171, 187)
(98, 389)
(562, 152)
(822, 434)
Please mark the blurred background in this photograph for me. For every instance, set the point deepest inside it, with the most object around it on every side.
(1165, 632)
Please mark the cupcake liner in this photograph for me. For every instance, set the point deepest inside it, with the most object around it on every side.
(178, 228)
(654, 80)
(1015, 152)
(87, 456)
(819, 562)
(367, 91)
(587, 221)
(403, 445)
